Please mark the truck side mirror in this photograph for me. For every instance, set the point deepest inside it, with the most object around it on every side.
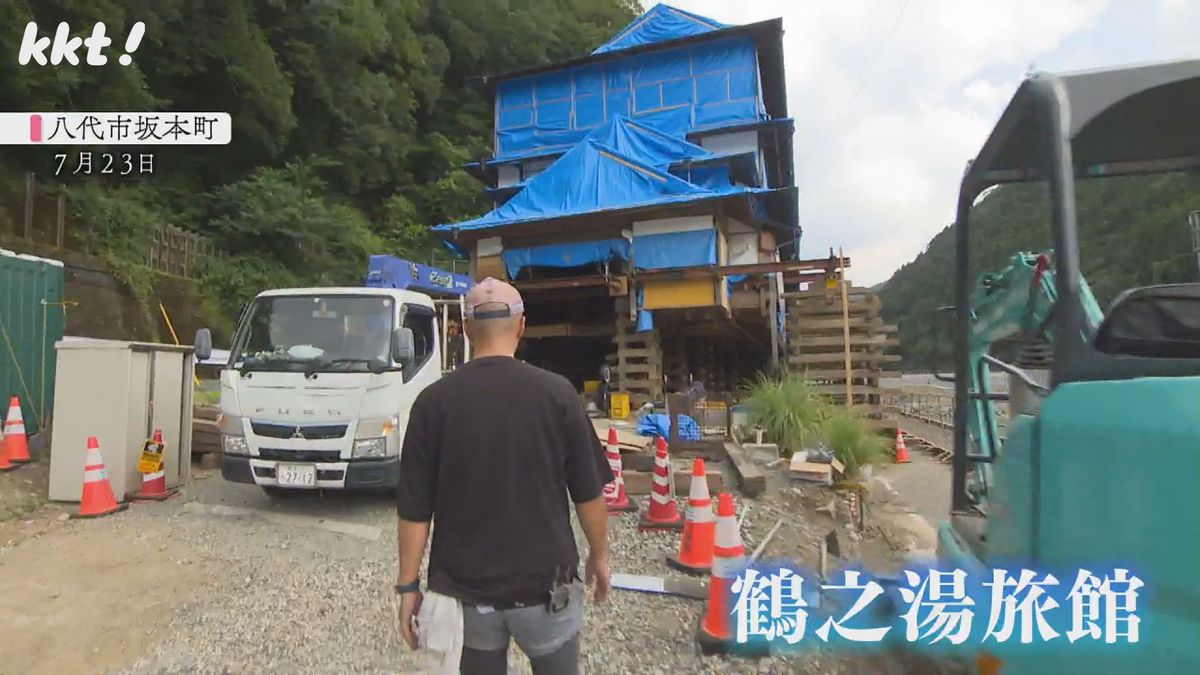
(404, 349)
(203, 344)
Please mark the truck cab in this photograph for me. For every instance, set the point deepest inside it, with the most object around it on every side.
(319, 384)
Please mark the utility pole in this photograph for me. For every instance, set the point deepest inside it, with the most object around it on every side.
(1194, 221)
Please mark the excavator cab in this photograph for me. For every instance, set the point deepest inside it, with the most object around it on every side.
(1104, 471)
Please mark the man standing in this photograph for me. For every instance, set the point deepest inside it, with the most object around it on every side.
(491, 454)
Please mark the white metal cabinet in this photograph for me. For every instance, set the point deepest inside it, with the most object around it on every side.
(119, 392)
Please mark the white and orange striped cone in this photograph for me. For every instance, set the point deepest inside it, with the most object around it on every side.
(695, 554)
(5, 465)
(97, 498)
(154, 484)
(16, 446)
(615, 498)
(715, 634)
(901, 448)
(662, 513)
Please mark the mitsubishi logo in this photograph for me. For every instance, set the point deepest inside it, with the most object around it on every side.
(297, 433)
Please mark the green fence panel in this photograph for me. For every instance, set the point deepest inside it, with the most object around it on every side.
(31, 321)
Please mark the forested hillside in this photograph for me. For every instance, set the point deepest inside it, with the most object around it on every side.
(1133, 232)
(351, 120)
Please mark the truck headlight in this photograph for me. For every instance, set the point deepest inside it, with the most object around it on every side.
(370, 447)
(234, 445)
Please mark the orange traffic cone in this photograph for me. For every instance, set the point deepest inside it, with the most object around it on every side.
(97, 498)
(715, 635)
(614, 493)
(901, 448)
(5, 465)
(16, 446)
(154, 484)
(696, 546)
(662, 513)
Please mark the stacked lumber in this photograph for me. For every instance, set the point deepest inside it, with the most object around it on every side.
(206, 434)
(817, 346)
(639, 368)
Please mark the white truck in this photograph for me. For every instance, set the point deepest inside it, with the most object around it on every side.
(319, 383)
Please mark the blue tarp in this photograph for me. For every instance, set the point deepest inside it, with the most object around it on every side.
(657, 424)
(675, 249)
(620, 165)
(573, 254)
(595, 176)
(385, 271)
(659, 24)
(703, 86)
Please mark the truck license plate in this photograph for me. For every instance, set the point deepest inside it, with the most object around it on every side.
(296, 475)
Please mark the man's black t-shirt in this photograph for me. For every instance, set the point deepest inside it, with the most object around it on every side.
(491, 452)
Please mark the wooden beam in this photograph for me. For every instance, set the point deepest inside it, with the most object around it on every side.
(856, 293)
(567, 282)
(837, 358)
(821, 264)
(840, 390)
(751, 478)
(838, 341)
(569, 330)
(839, 373)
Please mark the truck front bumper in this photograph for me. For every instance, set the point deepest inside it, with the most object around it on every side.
(351, 475)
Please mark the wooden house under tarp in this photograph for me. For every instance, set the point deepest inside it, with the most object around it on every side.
(645, 205)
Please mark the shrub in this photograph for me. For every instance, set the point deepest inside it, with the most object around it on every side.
(787, 408)
(848, 433)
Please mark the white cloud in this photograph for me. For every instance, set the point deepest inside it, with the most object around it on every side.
(892, 97)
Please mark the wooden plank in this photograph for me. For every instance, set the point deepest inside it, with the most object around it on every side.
(751, 478)
(633, 368)
(591, 280)
(568, 330)
(836, 357)
(855, 292)
(638, 353)
(836, 341)
(838, 374)
(804, 323)
(694, 589)
(840, 390)
(822, 265)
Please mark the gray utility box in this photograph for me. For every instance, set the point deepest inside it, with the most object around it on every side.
(119, 392)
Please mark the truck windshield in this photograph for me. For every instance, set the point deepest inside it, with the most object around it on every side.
(314, 333)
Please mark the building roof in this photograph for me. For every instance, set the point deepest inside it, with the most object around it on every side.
(661, 23)
(619, 166)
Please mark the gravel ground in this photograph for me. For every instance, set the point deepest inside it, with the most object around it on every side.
(304, 586)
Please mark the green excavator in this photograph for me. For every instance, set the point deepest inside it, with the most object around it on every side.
(1099, 463)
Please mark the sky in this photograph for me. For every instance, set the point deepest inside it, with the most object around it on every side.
(892, 97)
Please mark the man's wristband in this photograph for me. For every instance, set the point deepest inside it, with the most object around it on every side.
(414, 587)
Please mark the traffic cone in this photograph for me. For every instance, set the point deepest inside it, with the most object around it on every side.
(16, 446)
(5, 465)
(97, 498)
(662, 512)
(154, 485)
(696, 546)
(901, 448)
(715, 634)
(614, 493)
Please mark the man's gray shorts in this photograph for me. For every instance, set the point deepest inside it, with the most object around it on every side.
(538, 631)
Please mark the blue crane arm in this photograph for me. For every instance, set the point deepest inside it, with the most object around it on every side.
(1017, 300)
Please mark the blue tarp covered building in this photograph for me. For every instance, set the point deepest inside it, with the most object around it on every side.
(640, 192)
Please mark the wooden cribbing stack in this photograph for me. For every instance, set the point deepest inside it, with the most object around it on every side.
(838, 340)
(639, 368)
